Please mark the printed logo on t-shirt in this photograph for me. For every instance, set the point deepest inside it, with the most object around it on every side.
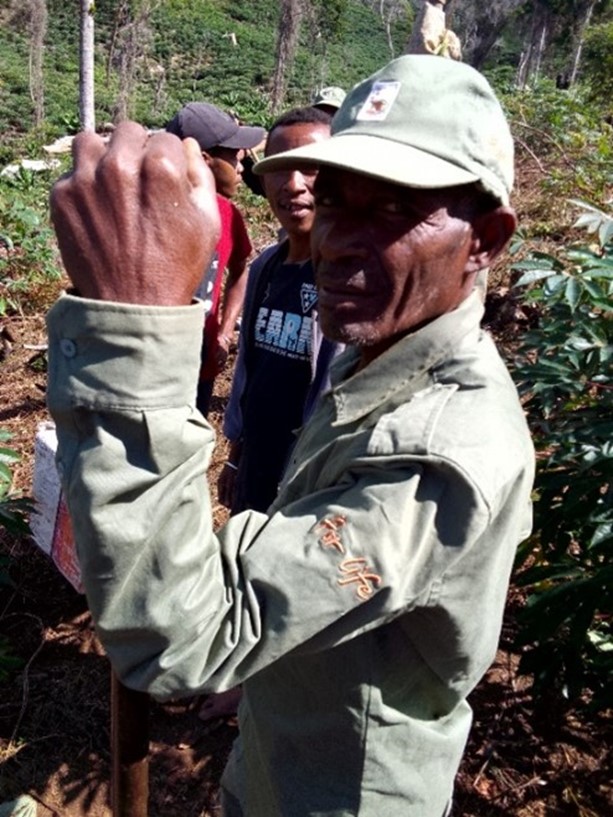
(207, 284)
(308, 297)
(285, 333)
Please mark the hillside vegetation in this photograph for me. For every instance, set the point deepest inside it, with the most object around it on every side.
(184, 51)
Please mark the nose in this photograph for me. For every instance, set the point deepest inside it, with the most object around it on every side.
(295, 182)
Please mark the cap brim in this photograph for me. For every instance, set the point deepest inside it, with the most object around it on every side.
(372, 156)
(245, 138)
(327, 103)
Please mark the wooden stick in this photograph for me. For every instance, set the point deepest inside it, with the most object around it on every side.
(129, 750)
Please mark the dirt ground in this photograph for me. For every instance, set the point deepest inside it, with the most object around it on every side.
(522, 760)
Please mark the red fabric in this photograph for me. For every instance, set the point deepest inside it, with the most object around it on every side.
(233, 248)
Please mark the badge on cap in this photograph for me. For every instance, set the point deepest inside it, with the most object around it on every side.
(379, 101)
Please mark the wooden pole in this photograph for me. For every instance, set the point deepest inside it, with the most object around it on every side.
(129, 750)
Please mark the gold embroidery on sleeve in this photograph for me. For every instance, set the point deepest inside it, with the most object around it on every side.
(355, 571)
(331, 537)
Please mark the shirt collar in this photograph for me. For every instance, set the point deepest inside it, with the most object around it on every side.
(400, 367)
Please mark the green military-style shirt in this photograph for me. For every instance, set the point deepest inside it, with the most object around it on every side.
(360, 611)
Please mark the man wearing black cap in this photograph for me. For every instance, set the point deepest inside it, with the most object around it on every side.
(362, 609)
(222, 142)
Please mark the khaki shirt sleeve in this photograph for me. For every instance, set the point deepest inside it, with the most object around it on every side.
(180, 609)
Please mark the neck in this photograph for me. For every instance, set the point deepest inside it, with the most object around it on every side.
(299, 249)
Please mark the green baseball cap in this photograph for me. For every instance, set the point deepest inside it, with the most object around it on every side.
(331, 97)
(421, 121)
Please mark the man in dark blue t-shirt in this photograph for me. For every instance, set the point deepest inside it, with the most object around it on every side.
(280, 341)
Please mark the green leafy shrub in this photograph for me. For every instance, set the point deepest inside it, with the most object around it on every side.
(563, 369)
(568, 141)
(597, 62)
(28, 260)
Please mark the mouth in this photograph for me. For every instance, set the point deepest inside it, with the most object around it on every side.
(297, 209)
(334, 295)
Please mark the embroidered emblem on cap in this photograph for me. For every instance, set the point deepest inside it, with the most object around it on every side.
(379, 102)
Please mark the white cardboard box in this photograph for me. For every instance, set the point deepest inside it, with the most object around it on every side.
(50, 523)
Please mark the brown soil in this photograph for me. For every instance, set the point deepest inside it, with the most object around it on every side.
(523, 760)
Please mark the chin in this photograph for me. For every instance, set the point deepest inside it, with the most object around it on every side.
(351, 334)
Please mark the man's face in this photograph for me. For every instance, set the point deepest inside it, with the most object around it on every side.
(225, 164)
(387, 258)
(290, 192)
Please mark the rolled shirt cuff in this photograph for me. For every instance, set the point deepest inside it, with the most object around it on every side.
(105, 355)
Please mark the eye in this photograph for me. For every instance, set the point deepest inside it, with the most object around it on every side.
(325, 199)
(393, 206)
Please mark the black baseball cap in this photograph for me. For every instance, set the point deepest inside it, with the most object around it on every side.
(212, 127)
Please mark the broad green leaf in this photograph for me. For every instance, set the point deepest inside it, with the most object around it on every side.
(573, 293)
(602, 533)
(532, 275)
(602, 641)
(555, 284)
(8, 455)
(605, 233)
(584, 205)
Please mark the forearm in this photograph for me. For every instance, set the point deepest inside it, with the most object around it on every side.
(133, 454)
(234, 296)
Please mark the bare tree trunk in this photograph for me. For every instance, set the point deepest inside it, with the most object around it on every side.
(86, 67)
(580, 39)
(132, 41)
(287, 39)
(540, 51)
(119, 20)
(38, 30)
(389, 11)
(387, 23)
(534, 48)
(522, 68)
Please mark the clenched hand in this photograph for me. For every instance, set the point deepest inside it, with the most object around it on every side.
(137, 219)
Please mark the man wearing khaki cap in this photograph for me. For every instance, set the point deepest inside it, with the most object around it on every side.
(329, 99)
(361, 610)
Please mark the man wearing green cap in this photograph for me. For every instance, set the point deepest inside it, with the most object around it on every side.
(364, 607)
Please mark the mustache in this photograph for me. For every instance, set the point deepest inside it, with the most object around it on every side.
(342, 276)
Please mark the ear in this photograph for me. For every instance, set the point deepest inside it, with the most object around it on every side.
(491, 233)
(207, 157)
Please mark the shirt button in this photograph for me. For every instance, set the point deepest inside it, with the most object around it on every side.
(68, 347)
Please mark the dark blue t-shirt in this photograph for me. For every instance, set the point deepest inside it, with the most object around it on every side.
(278, 362)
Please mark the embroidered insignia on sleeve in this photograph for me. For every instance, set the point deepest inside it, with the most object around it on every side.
(330, 532)
(354, 571)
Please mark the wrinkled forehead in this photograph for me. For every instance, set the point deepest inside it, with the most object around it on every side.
(334, 179)
(293, 135)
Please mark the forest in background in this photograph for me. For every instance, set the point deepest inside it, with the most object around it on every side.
(152, 56)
